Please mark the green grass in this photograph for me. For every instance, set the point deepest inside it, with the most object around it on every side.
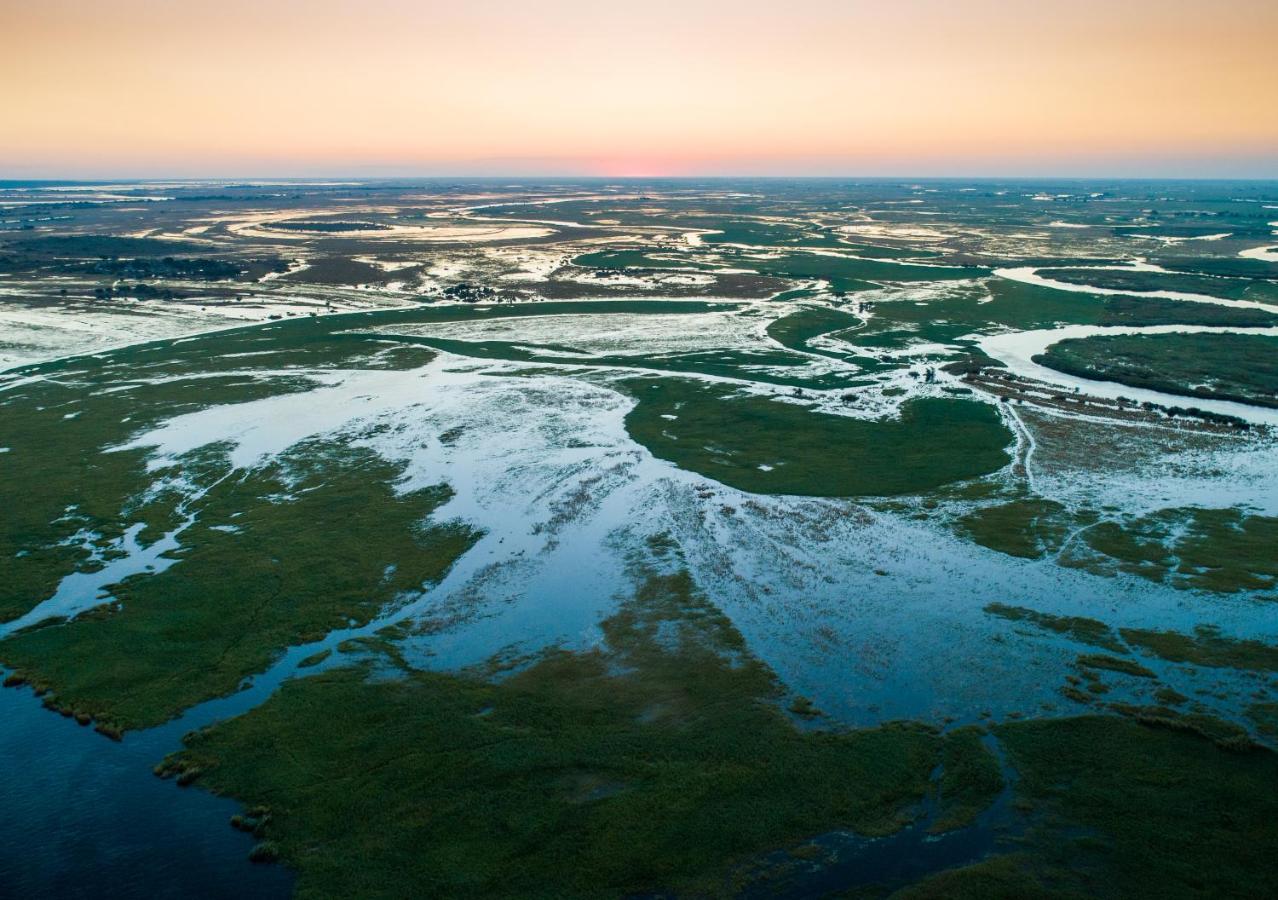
(1227, 266)
(1222, 550)
(992, 305)
(640, 259)
(1205, 647)
(658, 761)
(1265, 718)
(795, 330)
(1226, 288)
(321, 540)
(970, 780)
(1125, 810)
(1029, 528)
(1003, 877)
(728, 437)
(765, 366)
(1114, 664)
(1156, 311)
(1077, 628)
(1238, 367)
(846, 273)
(63, 498)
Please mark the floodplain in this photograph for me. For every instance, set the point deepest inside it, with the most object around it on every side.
(663, 538)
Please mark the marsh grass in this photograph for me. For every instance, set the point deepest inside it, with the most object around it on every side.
(728, 437)
(317, 531)
(1223, 550)
(1030, 527)
(658, 761)
(1242, 368)
(1078, 628)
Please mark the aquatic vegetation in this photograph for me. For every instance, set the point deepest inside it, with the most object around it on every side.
(848, 274)
(1265, 717)
(970, 780)
(321, 540)
(771, 446)
(1004, 877)
(1205, 647)
(1078, 628)
(1110, 801)
(1117, 279)
(1114, 664)
(69, 503)
(1224, 550)
(797, 329)
(656, 761)
(1237, 367)
(1160, 311)
(1030, 528)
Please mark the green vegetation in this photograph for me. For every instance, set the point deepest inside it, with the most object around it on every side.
(1119, 280)
(1122, 809)
(1238, 367)
(1003, 877)
(640, 260)
(1224, 550)
(66, 502)
(1226, 266)
(778, 367)
(1143, 311)
(1205, 647)
(949, 317)
(771, 446)
(848, 273)
(327, 226)
(664, 759)
(970, 780)
(796, 329)
(659, 761)
(1114, 664)
(1077, 628)
(770, 234)
(1029, 528)
(316, 540)
(1265, 717)
(69, 503)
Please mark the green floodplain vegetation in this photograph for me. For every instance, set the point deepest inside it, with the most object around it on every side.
(280, 556)
(1212, 286)
(619, 766)
(668, 760)
(1206, 646)
(664, 762)
(845, 273)
(1238, 367)
(1221, 550)
(777, 446)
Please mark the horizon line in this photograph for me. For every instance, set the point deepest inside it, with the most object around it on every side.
(84, 179)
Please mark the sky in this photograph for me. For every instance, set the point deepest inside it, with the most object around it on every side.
(143, 88)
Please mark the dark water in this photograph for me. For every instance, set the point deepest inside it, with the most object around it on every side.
(850, 860)
(83, 817)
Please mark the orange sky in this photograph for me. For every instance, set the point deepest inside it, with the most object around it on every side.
(1129, 87)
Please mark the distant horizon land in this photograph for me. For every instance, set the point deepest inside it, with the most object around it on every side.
(334, 179)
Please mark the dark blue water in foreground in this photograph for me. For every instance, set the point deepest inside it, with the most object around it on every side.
(849, 860)
(82, 816)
